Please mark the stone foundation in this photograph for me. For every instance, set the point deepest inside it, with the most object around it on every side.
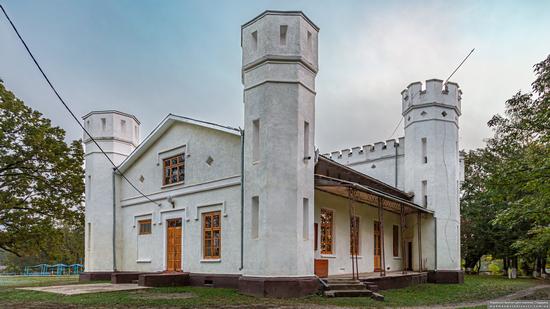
(95, 276)
(446, 276)
(278, 287)
(215, 280)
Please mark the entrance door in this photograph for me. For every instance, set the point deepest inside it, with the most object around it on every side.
(377, 246)
(410, 255)
(173, 245)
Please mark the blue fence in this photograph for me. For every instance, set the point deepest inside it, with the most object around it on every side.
(53, 270)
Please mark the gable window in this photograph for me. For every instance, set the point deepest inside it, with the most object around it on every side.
(354, 236)
(144, 227)
(327, 220)
(395, 240)
(211, 234)
(174, 169)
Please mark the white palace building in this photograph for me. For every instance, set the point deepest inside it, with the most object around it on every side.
(232, 208)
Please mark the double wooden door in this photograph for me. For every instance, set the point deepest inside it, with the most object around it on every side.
(377, 246)
(173, 245)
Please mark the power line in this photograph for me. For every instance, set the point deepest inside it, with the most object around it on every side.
(67, 107)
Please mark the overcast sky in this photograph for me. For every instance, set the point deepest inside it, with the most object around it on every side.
(151, 58)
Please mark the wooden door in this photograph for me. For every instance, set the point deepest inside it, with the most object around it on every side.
(377, 246)
(173, 245)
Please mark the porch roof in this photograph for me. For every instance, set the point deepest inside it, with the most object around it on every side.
(367, 189)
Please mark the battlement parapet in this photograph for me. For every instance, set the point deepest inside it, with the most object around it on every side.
(434, 92)
(368, 152)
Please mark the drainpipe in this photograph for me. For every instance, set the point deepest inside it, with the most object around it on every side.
(435, 242)
(242, 199)
(114, 221)
(395, 146)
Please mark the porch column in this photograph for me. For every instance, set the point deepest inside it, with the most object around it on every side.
(381, 220)
(402, 227)
(419, 223)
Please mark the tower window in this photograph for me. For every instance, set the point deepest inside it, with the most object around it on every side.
(306, 139)
(309, 40)
(305, 219)
(425, 193)
(103, 124)
(255, 217)
(282, 34)
(256, 140)
(424, 150)
(123, 126)
(255, 40)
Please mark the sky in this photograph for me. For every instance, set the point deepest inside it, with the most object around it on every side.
(151, 58)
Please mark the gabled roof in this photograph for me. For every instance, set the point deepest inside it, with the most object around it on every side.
(162, 127)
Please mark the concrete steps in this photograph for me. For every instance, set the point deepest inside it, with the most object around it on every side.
(349, 288)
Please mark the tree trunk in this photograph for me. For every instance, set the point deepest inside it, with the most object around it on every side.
(505, 266)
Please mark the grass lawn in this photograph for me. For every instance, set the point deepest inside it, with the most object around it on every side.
(475, 288)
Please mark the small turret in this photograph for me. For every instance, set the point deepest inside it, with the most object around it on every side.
(117, 134)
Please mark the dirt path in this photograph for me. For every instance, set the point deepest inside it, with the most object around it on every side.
(513, 296)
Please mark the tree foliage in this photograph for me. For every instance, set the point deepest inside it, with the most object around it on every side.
(41, 181)
(506, 199)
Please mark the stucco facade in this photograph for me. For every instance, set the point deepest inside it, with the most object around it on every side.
(263, 183)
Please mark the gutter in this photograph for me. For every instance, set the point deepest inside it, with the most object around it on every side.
(242, 199)
(114, 221)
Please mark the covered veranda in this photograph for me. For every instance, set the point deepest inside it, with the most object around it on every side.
(360, 190)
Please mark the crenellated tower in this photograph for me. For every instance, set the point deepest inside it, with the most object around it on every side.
(118, 135)
(279, 70)
(432, 164)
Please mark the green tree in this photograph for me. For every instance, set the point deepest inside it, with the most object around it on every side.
(41, 181)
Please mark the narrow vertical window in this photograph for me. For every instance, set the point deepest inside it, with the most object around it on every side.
(123, 126)
(395, 240)
(136, 133)
(255, 40)
(306, 139)
(309, 40)
(425, 193)
(256, 140)
(89, 237)
(327, 245)
(212, 235)
(424, 151)
(255, 217)
(282, 34)
(305, 219)
(354, 235)
(89, 192)
(103, 124)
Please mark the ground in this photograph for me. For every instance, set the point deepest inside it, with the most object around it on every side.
(474, 289)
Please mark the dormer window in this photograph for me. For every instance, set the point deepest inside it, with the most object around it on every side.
(174, 169)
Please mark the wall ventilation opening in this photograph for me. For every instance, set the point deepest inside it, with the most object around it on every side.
(282, 34)
(209, 160)
(255, 40)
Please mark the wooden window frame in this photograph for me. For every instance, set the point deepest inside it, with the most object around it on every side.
(142, 230)
(324, 227)
(357, 237)
(395, 241)
(212, 229)
(168, 165)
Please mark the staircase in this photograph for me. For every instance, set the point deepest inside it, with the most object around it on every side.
(348, 288)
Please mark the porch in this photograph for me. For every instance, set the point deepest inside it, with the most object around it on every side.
(392, 279)
(368, 229)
